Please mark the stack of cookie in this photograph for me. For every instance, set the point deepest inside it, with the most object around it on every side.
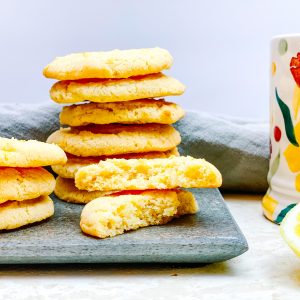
(121, 119)
(129, 133)
(24, 184)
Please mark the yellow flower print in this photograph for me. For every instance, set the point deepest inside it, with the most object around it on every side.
(297, 182)
(296, 101)
(269, 205)
(273, 68)
(292, 153)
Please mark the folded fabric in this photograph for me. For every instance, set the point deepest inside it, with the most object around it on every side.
(238, 148)
(29, 121)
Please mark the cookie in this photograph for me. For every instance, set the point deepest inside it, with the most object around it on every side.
(66, 190)
(109, 64)
(115, 139)
(24, 183)
(116, 90)
(129, 112)
(113, 215)
(73, 164)
(19, 153)
(14, 214)
(143, 174)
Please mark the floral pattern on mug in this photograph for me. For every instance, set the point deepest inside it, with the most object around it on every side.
(284, 170)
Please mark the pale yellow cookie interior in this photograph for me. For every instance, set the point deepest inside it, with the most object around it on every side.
(116, 90)
(14, 214)
(73, 164)
(187, 203)
(24, 183)
(143, 174)
(114, 139)
(127, 112)
(113, 215)
(109, 64)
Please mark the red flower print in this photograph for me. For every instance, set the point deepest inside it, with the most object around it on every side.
(295, 68)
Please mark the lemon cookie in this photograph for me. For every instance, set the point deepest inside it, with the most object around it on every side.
(14, 214)
(129, 112)
(109, 64)
(19, 153)
(66, 190)
(143, 174)
(187, 201)
(113, 215)
(115, 139)
(115, 90)
(24, 183)
(73, 164)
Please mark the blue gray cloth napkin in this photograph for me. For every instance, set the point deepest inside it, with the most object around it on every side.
(238, 148)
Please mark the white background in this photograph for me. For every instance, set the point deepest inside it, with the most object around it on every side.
(221, 48)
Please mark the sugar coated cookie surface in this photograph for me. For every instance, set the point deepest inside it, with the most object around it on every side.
(112, 215)
(19, 153)
(66, 190)
(24, 183)
(116, 90)
(73, 164)
(128, 112)
(109, 64)
(115, 139)
(14, 214)
(143, 174)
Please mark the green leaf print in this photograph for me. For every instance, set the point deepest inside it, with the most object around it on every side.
(288, 123)
(283, 213)
(274, 167)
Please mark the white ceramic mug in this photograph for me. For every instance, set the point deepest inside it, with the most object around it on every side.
(284, 171)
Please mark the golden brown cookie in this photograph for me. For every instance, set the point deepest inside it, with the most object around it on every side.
(66, 190)
(129, 112)
(115, 139)
(19, 153)
(143, 174)
(73, 164)
(112, 215)
(24, 183)
(116, 90)
(109, 64)
(14, 214)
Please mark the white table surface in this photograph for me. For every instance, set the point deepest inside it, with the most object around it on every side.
(269, 270)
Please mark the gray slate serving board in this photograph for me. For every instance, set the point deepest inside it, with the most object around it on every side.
(209, 236)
